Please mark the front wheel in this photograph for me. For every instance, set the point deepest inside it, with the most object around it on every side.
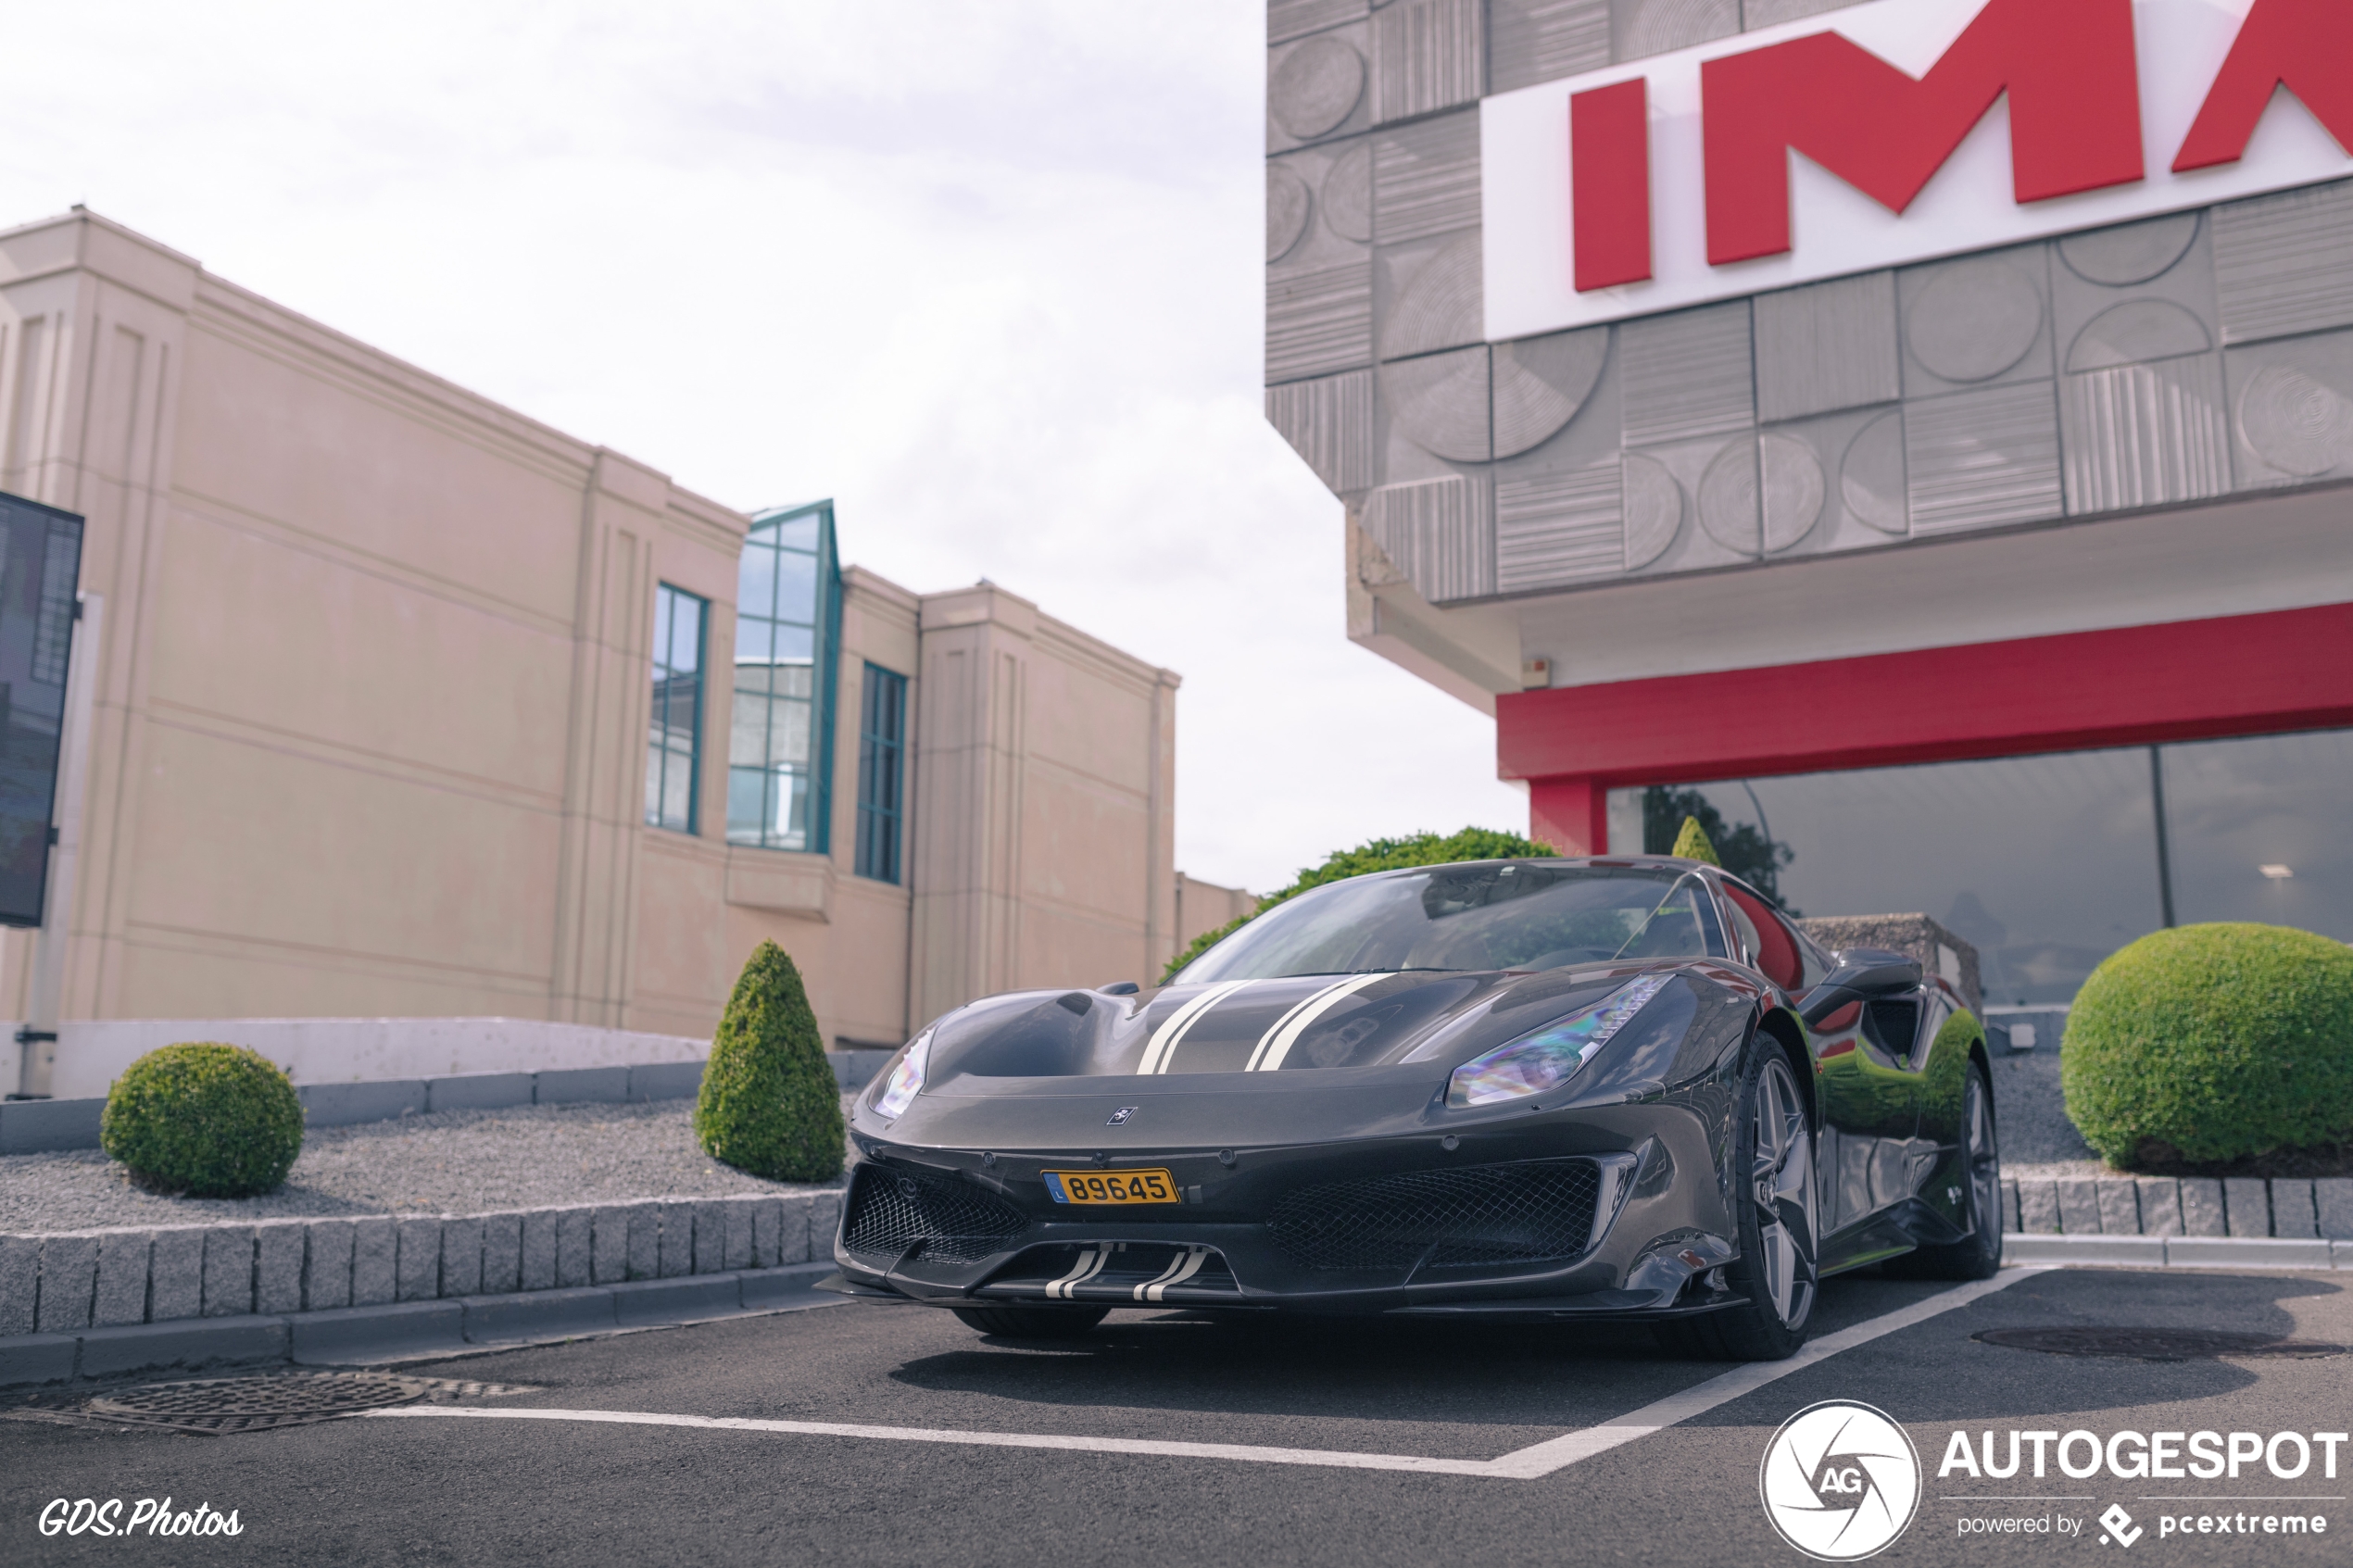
(1978, 1254)
(1031, 1323)
(1780, 1235)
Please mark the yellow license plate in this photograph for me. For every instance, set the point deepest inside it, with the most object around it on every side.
(1112, 1187)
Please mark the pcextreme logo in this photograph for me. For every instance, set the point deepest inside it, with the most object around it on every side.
(1922, 128)
(1840, 1481)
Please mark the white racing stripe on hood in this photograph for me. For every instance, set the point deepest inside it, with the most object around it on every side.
(1165, 1038)
(1277, 1041)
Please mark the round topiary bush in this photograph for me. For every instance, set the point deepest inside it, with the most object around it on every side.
(770, 1104)
(2212, 1043)
(204, 1121)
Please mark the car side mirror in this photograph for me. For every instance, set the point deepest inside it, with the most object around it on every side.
(1860, 975)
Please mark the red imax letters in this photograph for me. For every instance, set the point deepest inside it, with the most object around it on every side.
(2304, 45)
(2068, 66)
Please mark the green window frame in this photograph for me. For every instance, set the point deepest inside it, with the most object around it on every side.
(787, 639)
(881, 774)
(674, 740)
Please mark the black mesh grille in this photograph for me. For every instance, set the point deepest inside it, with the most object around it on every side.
(891, 1210)
(1482, 1216)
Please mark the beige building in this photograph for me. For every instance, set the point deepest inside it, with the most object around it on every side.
(400, 704)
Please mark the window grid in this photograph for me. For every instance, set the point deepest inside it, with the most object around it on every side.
(780, 732)
(673, 733)
(881, 774)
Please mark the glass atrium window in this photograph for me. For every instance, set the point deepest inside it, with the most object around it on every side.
(881, 773)
(780, 735)
(671, 743)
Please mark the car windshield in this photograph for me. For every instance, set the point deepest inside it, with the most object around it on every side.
(1511, 914)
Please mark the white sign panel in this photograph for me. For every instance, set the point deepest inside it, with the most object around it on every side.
(1968, 204)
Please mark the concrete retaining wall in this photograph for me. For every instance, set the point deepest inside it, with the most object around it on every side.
(2191, 1206)
(62, 1282)
(329, 1050)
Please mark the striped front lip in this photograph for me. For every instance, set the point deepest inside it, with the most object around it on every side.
(1230, 1019)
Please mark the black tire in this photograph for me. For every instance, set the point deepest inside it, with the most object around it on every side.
(1031, 1323)
(1978, 1254)
(1779, 1213)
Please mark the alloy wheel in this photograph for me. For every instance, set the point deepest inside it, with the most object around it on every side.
(1784, 1193)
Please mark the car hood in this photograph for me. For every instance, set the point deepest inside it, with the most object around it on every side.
(1315, 1023)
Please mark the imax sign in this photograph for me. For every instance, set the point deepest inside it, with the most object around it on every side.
(1923, 129)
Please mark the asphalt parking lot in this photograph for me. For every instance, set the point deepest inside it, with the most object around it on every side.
(1375, 1443)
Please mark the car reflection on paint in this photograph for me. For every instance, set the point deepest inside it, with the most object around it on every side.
(1537, 1090)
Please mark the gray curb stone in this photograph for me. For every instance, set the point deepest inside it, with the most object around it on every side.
(2079, 1202)
(378, 1334)
(609, 1244)
(2202, 1206)
(580, 1086)
(479, 1091)
(2292, 1215)
(68, 1279)
(2333, 1198)
(277, 1265)
(123, 1260)
(461, 1256)
(203, 1342)
(175, 1274)
(2160, 1206)
(539, 1314)
(2246, 1205)
(574, 1248)
(501, 1252)
(20, 1284)
(37, 1358)
(374, 1254)
(538, 1269)
(667, 1300)
(418, 1264)
(326, 1265)
(346, 1105)
(2120, 1208)
(677, 1237)
(228, 1271)
(645, 1240)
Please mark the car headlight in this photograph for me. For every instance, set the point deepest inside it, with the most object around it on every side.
(905, 1079)
(1547, 1058)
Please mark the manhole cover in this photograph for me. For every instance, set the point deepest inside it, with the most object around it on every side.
(2155, 1344)
(247, 1404)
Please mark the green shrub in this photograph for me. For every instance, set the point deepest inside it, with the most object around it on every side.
(204, 1120)
(770, 1104)
(2211, 1043)
(1378, 855)
(1692, 843)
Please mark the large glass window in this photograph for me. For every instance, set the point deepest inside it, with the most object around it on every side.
(780, 734)
(2262, 830)
(881, 773)
(673, 739)
(2048, 864)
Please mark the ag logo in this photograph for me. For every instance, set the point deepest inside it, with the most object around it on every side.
(1840, 1481)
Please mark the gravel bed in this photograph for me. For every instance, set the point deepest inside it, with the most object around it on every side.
(449, 1162)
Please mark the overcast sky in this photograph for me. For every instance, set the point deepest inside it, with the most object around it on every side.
(986, 271)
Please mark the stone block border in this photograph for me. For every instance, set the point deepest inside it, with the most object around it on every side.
(68, 1281)
(2320, 1209)
(407, 1331)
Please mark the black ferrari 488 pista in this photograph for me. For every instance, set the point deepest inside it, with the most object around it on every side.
(1533, 1089)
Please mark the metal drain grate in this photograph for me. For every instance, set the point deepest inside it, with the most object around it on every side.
(2155, 1344)
(217, 1405)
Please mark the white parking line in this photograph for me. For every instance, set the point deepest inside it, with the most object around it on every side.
(1523, 1464)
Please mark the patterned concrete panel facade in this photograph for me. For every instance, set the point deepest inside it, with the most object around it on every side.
(2166, 361)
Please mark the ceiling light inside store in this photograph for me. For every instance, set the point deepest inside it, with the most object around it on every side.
(2277, 873)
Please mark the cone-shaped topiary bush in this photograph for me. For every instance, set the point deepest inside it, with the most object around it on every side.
(204, 1120)
(770, 1105)
(1692, 843)
(2211, 1043)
